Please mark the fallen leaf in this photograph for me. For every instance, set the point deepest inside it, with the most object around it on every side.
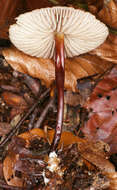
(108, 50)
(14, 100)
(102, 112)
(9, 11)
(35, 4)
(106, 11)
(108, 14)
(94, 6)
(4, 128)
(8, 170)
(94, 153)
(72, 99)
(44, 69)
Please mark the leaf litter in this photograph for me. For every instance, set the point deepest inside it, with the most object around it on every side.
(89, 130)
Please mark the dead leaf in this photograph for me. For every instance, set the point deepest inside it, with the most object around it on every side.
(94, 155)
(108, 50)
(44, 69)
(108, 14)
(106, 11)
(94, 6)
(72, 99)
(14, 100)
(9, 11)
(35, 4)
(8, 170)
(4, 128)
(102, 109)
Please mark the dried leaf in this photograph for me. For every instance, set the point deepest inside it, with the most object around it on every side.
(102, 109)
(108, 50)
(9, 173)
(35, 4)
(4, 128)
(72, 99)
(106, 11)
(44, 69)
(14, 100)
(94, 153)
(108, 14)
(94, 6)
(9, 11)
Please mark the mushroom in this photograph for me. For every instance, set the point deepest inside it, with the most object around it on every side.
(57, 32)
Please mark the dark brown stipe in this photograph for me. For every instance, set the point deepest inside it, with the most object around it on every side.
(13, 131)
(59, 72)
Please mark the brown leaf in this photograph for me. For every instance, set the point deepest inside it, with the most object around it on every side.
(9, 10)
(35, 4)
(95, 154)
(14, 100)
(72, 99)
(64, 137)
(44, 69)
(106, 11)
(102, 109)
(108, 50)
(108, 14)
(94, 6)
(9, 173)
(92, 152)
(4, 128)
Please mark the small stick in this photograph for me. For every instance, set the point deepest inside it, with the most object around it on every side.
(33, 84)
(10, 88)
(32, 119)
(44, 113)
(13, 131)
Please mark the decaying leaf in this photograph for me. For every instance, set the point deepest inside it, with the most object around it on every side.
(102, 109)
(44, 69)
(35, 4)
(108, 14)
(108, 50)
(94, 6)
(14, 100)
(94, 153)
(8, 13)
(9, 173)
(4, 128)
(105, 10)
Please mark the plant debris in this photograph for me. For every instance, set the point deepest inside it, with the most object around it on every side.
(87, 153)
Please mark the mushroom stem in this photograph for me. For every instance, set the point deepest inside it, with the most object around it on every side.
(59, 73)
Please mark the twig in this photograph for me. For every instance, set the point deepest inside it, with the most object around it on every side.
(33, 84)
(44, 113)
(13, 131)
(10, 88)
(32, 119)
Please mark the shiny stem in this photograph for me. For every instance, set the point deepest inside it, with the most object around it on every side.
(59, 73)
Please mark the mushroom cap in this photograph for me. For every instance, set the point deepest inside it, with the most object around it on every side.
(34, 32)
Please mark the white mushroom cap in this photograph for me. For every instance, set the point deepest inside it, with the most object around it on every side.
(34, 32)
